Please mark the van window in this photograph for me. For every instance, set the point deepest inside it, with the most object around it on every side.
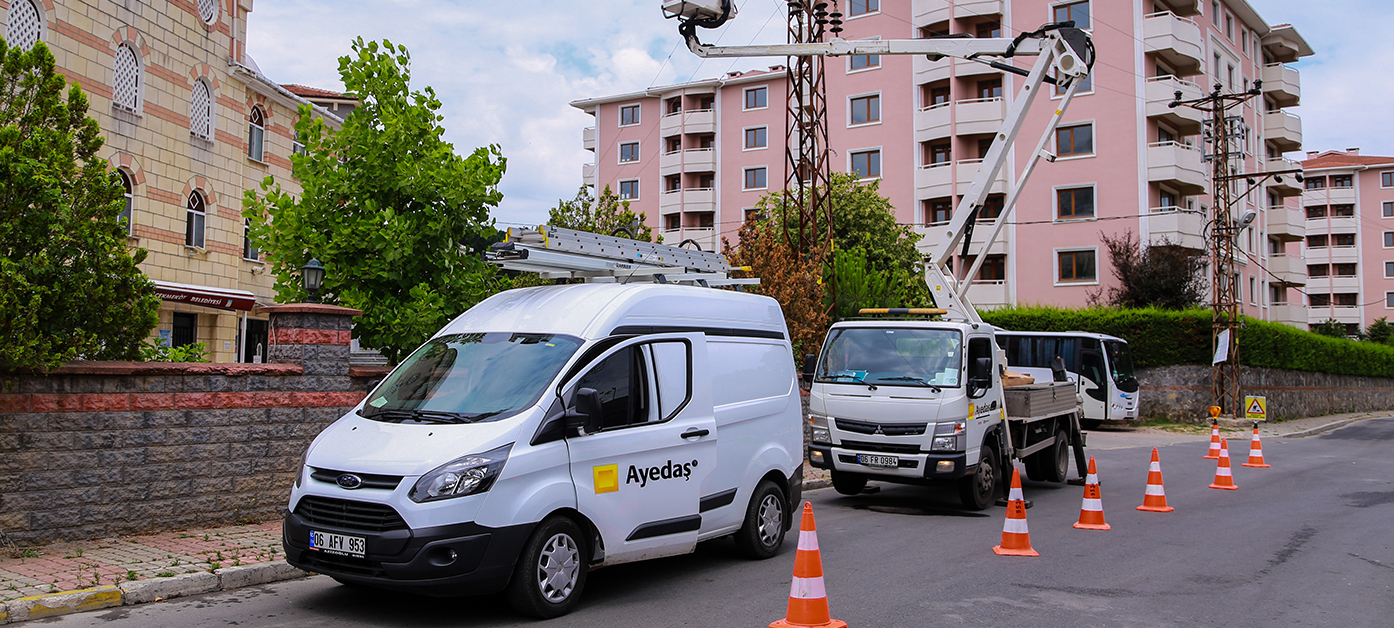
(1038, 351)
(672, 363)
(620, 381)
(749, 370)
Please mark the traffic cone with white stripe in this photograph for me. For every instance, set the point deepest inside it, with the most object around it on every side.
(1091, 512)
(1256, 452)
(1156, 498)
(1223, 478)
(808, 600)
(1214, 453)
(1016, 539)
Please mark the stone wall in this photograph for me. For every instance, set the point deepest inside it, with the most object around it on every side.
(106, 448)
(1183, 392)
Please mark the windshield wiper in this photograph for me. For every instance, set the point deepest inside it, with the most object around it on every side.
(423, 416)
(856, 378)
(907, 378)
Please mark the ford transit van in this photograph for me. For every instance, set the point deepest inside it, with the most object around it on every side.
(549, 431)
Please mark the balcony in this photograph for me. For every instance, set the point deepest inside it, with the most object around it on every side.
(1328, 196)
(1283, 130)
(689, 160)
(588, 174)
(1287, 224)
(694, 121)
(1291, 270)
(705, 237)
(928, 12)
(1184, 8)
(1176, 165)
(1176, 40)
(981, 230)
(1289, 186)
(1161, 90)
(982, 115)
(1347, 254)
(934, 181)
(968, 168)
(1288, 314)
(588, 138)
(964, 69)
(968, 9)
(1182, 228)
(1344, 314)
(1282, 84)
(933, 123)
(927, 71)
(689, 200)
(989, 294)
(1322, 285)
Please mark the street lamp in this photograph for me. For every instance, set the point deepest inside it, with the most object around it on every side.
(312, 274)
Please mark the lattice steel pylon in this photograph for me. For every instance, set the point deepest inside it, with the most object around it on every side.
(807, 171)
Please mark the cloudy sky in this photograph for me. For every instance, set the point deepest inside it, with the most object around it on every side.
(506, 72)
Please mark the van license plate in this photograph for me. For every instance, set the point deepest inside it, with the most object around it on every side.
(331, 543)
(878, 461)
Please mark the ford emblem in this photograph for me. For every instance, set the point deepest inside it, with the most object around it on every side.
(349, 481)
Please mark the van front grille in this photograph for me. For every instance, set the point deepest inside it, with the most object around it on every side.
(348, 515)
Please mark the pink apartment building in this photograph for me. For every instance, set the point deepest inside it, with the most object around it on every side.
(696, 156)
(1349, 206)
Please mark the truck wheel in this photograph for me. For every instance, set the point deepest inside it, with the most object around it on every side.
(1055, 460)
(763, 531)
(977, 491)
(848, 483)
(551, 571)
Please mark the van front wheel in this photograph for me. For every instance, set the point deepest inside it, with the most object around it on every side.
(551, 572)
(763, 531)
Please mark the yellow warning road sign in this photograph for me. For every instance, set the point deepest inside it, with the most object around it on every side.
(1256, 408)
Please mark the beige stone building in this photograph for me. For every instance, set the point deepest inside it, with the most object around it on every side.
(191, 123)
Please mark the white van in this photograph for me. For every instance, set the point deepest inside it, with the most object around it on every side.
(1102, 365)
(551, 430)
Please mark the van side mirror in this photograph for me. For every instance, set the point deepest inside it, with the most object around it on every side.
(809, 362)
(373, 385)
(981, 375)
(584, 414)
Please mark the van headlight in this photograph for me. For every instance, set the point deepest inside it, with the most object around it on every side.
(468, 475)
(820, 434)
(300, 470)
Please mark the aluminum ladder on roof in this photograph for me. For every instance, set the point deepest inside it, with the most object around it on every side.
(557, 253)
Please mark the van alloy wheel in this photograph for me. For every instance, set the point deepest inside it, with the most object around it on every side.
(762, 531)
(771, 520)
(557, 567)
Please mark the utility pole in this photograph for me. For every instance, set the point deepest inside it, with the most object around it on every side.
(1228, 135)
(807, 170)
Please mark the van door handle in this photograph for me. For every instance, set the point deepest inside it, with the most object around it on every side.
(694, 433)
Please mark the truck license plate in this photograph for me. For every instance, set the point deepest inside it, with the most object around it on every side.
(342, 545)
(878, 461)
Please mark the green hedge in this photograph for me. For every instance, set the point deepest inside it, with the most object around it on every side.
(1166, 337)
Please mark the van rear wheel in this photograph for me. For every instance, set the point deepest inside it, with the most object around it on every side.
(551, 571)
(765, 522)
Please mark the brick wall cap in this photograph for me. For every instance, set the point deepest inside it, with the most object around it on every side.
(369, 370)
(176, 368)
(308, 308)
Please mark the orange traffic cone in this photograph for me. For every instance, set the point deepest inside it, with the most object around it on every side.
(808, 601)
(1214, 453)
(1223, 478)
(1016, 539)
(1091, 512)
(1156, 498)
(1256, 452)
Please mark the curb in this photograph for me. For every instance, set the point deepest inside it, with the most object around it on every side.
(816, 483)
(1325, 428)
(143, 591)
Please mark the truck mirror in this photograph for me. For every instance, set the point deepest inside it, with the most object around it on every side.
(1057, 369)
(809, 361)
(584, 414)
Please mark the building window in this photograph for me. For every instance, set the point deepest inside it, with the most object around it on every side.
(629, 152)
(201, 111)
(125, 88)
(756, 138)
(1388, 269)
(1077, 12)
(674, 105)
(706, 181)
(185, 329)
(934, 96)
(1320, 300)
(629, 190)
(1229, 27)
(863, 62)
(866, 164)
(1389, 299)
(672, 183)
(706, 220)
(755, 179)
(249, 250)
(1076, 266)
(1342, 239)
(706, 141)
(1215, 12)
(757, 98)
(866, 109)
(128, 191)
(992, 207)
(1316, 212)
(1386, 179)
(991, 88)
(938, 211)
(988, 30)
(256, 134)
(629, 115)
(1316, 241)
(1388, 209)
(1346, 209)
(1343, 270)
(752, 214)
(672, 222)
(1075, 203)
(208, 11)
(1389, 239)
(195, 218)
(994, 268)
(1314, 183)
(862, 7)
(26, 25)
(1342, 181)
(297, 146)
(937, 154)
(1318, 270)
(1074, 140)
(1253, 291)
(1346, 299)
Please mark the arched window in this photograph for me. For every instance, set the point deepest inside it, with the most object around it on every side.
(201, 111)
(129, 191)
(26, 25)
(197, 215)
(256, 134)
(125, 92)
(208, 11)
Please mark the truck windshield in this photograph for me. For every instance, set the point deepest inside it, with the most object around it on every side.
(1120, 361)
(893, 357)
(464, 378)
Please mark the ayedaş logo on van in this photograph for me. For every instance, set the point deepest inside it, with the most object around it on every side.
(642, 475)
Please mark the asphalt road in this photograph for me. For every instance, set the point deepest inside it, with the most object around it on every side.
(1309, 542)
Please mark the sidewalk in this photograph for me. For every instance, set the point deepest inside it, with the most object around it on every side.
(88, 575)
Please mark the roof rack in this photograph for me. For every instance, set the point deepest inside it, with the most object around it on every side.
(557, 253)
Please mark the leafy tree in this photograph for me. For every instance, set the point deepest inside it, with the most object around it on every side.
(1161, 275)
(607, 215)
(1330, 327)
(785, 276)
(1380, 331)
(860, 283)
(69, 286)
(387, 206)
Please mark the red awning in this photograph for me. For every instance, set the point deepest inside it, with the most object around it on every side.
(205, 296)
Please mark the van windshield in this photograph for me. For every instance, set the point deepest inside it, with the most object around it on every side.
(464, 378)
(893, 357)
(1120, 361)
